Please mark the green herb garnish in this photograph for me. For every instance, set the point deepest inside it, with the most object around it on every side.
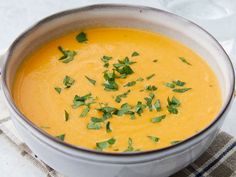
(151, 76)
(93, 126)
(81, 37)
(170, 84)
(123, 95)
(154, 138)
(134, 54)
(130, 147)
(184, 60)
(58, 90)
(110, 83)
(179, 83)
(68, 81)
(130, 84)
(151, 88)
(174, 142)
(125, 109)
(157, 105)
(140, 79)
(85, 111)
(158, 119)
(96, 120)
(108, 127)
(68, 55)
(149, 101)
(139, 108)
(107, 111)
(106, 60)
(181, 90)
(67, 116)
(123, 67)
(82, 100)
(105, 144)
(61, 137)
(173, 104)
(90, 80)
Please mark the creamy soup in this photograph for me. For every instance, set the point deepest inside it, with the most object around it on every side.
(117, 90)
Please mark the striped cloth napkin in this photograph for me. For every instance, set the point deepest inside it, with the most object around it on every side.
(218, 161)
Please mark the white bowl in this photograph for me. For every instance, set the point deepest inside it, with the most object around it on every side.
(76, 161)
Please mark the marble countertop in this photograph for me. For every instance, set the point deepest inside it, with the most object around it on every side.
(15, 17)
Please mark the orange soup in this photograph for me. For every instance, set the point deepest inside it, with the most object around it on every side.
(117, 90)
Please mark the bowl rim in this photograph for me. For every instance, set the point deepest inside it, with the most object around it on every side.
(27, 32)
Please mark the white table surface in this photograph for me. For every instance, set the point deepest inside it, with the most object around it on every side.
(15, 17)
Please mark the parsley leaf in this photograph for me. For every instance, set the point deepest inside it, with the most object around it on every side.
(81, 37)
(184, 60)
(158, 119)
(157, 105)
(123, 67)
(123, 95)
(125, 109)
(140, 79)
(106, 60)
(105, 144)
(110, 83)
(58, 90)
(67, 116)
(61, 137)
(151, 88)
(96, 120)
(179, 83)
(81, 100)
(134, 54)
(93, 126)
(181, 90)
(151, 76)
(129, 84)
(173, 104)
(108, 127)
(107, 111)
(154, 138)
(149, 101)
(130, 147)
(90, 80)
(85, 111)
(139, 108)
(170, 84)
(68, 81)
(68, 55)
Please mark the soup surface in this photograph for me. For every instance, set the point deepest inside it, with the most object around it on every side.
(117, 89)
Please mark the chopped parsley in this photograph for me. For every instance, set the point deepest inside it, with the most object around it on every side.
(68, 81)
(81, 37)
(110, 83)
(181, 90)
(68, 55)
(154, 138)
(106, 60)
(134, 54)
(67, 116)
(140, 79)
(125, 109)
(58, 90)
(157, 105)
(105, 144)
(82, 100)
(151, 88)
(130, 147)
(108, 127)
(184, 61)
(170, 84)
(139, 108)
(179, 83)
(85, 111)
(149, 101)
(61, 137)
(123, 67)
(107, 111)
(93, 126)
(173, 104)
(158, 119)
(175, 142)
(151, 76)
(118, 98)
(90, 80)
(96, 120)
(130, 84)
